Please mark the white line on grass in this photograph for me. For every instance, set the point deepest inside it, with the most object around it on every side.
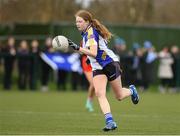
(77, 114)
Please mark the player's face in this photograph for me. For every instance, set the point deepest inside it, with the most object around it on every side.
(81, 23)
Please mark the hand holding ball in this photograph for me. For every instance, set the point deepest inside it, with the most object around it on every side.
(60, 43)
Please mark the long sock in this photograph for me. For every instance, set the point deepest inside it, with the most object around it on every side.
(89, 105)
(131, 91)
(108, 117)
(88, 102)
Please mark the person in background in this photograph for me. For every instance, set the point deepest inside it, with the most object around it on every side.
(165, 72)
(175, 55)
(34, 64)
(1, 72)
(120, 47)
(62, 79)
(87, 69)
(75, 75)
(148, 64)
(126, 60)
(23, 65)
(8, 55)
(45, 68)
(136, 66)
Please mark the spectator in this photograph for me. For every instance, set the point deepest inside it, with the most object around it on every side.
(75, 76)
(165, 72)
(61, 81)
(1, 62)
(62, 78)
(125, 60)
(45, 68)
(23, 65)
(148, 64)
(136, 66)
(175, 55)
(8, 53)
(34, 64)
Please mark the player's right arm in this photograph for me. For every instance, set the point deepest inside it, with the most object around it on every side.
(90, 52)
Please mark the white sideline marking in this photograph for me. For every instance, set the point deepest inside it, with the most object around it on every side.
(78, 114)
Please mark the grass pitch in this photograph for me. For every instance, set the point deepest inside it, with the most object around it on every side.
(64, 113)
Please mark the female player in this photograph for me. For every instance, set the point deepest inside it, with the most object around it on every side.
(87, 69)
(105, 64)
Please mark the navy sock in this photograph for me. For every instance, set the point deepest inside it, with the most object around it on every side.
(108, 117)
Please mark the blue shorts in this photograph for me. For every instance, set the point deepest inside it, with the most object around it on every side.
(111, 70)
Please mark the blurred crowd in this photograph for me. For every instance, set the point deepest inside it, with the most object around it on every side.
(142, 65)
(21, 66)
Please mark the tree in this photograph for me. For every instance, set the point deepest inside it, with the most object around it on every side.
(42, 11)
(112, 11)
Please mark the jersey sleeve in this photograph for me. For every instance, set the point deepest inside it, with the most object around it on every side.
(92, 38)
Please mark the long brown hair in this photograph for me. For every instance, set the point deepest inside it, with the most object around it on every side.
(103, 31)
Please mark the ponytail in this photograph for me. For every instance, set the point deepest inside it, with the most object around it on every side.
(104, 32)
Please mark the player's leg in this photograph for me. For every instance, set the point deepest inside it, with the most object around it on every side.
(91, 91)
(122, 93)
(119, 91)
(113, 73)
(100, 82)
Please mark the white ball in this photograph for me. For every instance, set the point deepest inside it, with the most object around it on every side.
(61, 43)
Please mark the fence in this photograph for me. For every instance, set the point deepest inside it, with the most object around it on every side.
(159, 35)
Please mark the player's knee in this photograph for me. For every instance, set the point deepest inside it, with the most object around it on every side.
(119, 98)
(98, 94)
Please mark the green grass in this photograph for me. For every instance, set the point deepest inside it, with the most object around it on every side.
(64, 113)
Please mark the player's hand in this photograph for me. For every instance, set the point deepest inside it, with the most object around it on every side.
(73, 45)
